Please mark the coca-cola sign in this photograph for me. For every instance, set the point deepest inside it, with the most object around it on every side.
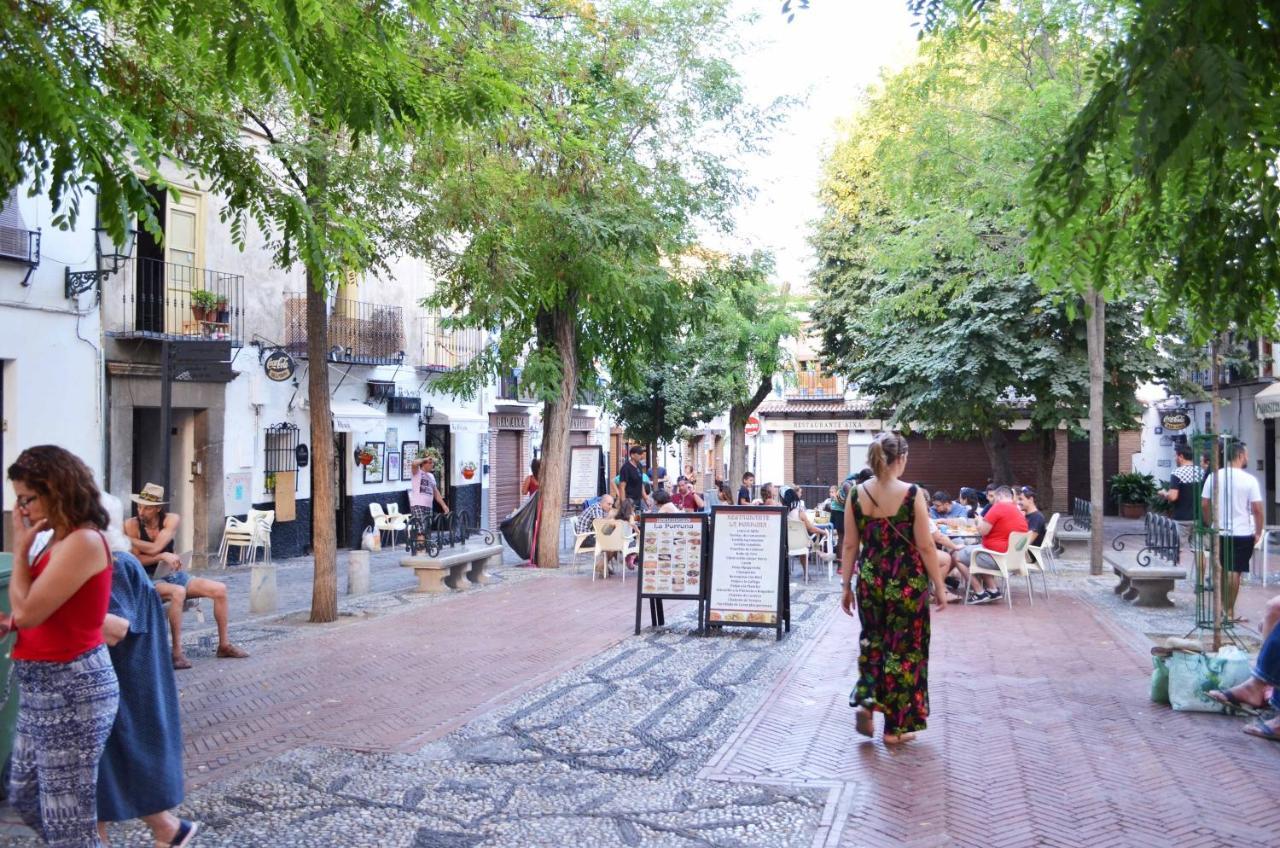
(1175, 421)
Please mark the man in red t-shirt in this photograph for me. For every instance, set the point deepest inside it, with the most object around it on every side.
(1001, 519)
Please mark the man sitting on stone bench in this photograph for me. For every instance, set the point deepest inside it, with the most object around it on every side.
(152, 533)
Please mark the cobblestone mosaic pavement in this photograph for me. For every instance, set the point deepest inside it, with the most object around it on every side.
(605, 755)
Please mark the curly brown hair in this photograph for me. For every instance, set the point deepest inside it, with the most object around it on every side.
(64, 483)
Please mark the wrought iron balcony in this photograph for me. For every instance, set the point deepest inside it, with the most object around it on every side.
(510, 388)
(359, 333)
(154, 299)
(814, 384)
(447, 348)
(22, 247)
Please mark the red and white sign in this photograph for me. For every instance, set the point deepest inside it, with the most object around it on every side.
(753, 426)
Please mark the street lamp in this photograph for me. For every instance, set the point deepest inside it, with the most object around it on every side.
(105, 249)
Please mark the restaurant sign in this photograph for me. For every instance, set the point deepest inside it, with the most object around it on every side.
(747, 584)
(278, 365)
(1175, 421)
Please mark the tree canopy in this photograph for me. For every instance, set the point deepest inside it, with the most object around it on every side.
(929, 301)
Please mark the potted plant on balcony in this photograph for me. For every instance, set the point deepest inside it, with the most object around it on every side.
(223, 311)
(203, 304)
(1133, 491)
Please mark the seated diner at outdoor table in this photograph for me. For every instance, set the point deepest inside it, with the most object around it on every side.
(944, 507)
(947, 561)
(685, 498)
(1002, 518)
(796, 512)
(971, 501)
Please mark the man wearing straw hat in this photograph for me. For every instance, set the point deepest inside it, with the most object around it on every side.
(152, 533)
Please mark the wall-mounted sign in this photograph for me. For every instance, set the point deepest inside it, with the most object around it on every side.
(302, 455)
(584, 472)
(278, 365)
(1175, 420)
(509, 422)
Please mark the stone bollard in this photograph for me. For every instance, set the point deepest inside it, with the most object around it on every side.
(263, 597)
(358, 573)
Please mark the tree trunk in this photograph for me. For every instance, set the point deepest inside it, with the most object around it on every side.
(554, 472)
(324, 541)
(1096, 338)
(997, 445)
(1044, 470)
(738, 415)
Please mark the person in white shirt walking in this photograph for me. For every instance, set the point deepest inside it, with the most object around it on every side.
(1238, 517)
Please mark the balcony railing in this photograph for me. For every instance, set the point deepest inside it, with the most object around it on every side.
(361, 333)
(509, 388)
(812, 384)
(154, 299)
(447, 348)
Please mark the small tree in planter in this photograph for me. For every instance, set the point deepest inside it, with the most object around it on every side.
(1133, 491)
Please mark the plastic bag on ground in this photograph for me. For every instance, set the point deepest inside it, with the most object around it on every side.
(1191, 676)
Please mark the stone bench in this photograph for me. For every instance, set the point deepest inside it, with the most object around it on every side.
(1147, 586)
(456, 568)
(1074, 544)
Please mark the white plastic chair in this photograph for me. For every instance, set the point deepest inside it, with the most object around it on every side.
(825, 545)
(261, 520)
(235, 534)
(798, 544)
(384, 523)
(1042, 554)
(612, 537)
(1012, 561)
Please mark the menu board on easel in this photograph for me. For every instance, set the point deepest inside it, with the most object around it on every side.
(584, 472)
(671, 564)
(747, 584)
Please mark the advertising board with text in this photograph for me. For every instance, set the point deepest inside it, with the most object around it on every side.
(584, 472)
(747, 584)
(671, 562)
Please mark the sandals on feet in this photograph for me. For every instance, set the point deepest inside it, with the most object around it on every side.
(1227, 699)
(187, 831)
(865, 722)
(180, 662)
(231, 652)
(1262, 730)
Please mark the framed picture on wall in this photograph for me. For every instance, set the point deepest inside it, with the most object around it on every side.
(408, 452)
(393, 466)
(373, 470)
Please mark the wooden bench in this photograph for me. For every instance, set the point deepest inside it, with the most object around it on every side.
(1146, 586)
(456, 568)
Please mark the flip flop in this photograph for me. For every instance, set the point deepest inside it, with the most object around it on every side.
(181, 662)
(187, 831)
(1224, 697)
(865, 722)
(1262, 730)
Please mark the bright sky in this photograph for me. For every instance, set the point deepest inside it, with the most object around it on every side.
(831, 52)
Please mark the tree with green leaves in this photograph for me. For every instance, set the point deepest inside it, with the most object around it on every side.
(336, 90)
(929, 300)
(568, 210)
(723, 358)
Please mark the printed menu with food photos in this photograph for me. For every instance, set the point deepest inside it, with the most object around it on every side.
(745, 566)
(670, 561)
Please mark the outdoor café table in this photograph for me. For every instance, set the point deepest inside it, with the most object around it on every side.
(961, 537)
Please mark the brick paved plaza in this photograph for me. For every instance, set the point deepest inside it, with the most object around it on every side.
(525, 713)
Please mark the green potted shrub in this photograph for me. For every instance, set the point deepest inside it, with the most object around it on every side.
(1133, 491)
(204, 303)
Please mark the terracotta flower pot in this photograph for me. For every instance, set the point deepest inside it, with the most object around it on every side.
(468, 473)
(1131, 510)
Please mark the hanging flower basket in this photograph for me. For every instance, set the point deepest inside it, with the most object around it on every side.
(364, 457)
(468, 470)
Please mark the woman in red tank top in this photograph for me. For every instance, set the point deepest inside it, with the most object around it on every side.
(66, 682)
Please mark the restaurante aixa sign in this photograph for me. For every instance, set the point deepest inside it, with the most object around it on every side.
(1175, 420)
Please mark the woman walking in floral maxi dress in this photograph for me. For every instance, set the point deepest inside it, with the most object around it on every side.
(888, 545)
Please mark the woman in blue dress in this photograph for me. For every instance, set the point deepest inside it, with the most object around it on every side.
(140, 774)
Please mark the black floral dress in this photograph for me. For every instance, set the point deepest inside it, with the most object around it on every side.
(893, 607)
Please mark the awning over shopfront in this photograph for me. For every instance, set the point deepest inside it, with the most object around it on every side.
(351, 417)
(1266, 403)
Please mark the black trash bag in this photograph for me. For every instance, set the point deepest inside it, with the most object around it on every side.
(518, 528)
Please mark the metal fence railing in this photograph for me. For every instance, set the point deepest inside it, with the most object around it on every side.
(448, 347)
(151, 298)
(363, 333)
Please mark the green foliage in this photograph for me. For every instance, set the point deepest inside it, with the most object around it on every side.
(1169, 169)
(107, 90)
(1133, 487)
(928, 300)
(567, 213)
(204, 299)
(727, 343)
